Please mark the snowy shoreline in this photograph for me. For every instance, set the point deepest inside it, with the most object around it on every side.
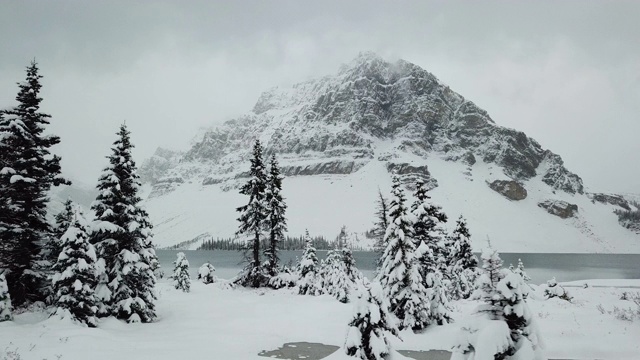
(219, 322)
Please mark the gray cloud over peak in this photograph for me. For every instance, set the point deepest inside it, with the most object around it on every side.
(565, 72)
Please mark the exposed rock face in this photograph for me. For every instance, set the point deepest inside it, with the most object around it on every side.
(335, 125)
(559, 208)
(410, 174)
(610, 199)
(165, 185)
(510, 189)
(158, 165)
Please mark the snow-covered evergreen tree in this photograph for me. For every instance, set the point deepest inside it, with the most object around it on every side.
(503, 327)
(63, 219)
(28, 170)
(122, 236)
(428, 230)
(181, 277)
(334, 279)
(206, 273)
(370, 326)
(521, 272)
(5, 300)
(552, 289)
(341, 239)
(308, 269)
(399, 273)
(74, 274)
(462, 264)
(276, 220)
(253, 219)
(382, 222)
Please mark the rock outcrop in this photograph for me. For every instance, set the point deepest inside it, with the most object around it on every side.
(510, 189)
(559, 208)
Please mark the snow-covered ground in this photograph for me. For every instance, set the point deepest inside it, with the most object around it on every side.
(215, 322)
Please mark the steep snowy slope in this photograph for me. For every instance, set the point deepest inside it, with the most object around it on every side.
(341, 137)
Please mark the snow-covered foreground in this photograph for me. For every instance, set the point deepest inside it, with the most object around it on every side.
(221, 323)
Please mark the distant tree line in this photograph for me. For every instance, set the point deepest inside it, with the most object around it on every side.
(289, 243)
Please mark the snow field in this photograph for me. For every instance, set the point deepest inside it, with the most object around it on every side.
(324, 203)
(221, 323)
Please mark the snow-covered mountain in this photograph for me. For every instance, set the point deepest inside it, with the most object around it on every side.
(339, 138)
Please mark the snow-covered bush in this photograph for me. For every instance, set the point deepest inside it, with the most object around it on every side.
(74, 274)
(5, 300)
(367, 336)
(552, 290)
(284, 279)
(308, 269)
(503, 327)
(181, 273)
(206, 273)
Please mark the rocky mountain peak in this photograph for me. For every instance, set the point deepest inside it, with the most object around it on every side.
(335, 125)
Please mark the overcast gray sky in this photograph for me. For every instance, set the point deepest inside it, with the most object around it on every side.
(565, 72)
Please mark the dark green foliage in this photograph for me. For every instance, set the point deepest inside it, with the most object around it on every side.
(122, 236)
(382, 222)
(252, 219)
(276, 220)
(289, 243)
(74, 274)
(27, 171)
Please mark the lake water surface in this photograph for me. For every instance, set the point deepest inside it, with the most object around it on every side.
(540, 267)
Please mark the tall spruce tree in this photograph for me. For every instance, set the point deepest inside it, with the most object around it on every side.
(276, 220)
(74, 274)
(428, 240)
(122, 235)
(399, 273)
(252, 219)
(27, 171)
(382, 222)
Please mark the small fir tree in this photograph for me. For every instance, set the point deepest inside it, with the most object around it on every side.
(462, 266)
(308, 269)
(206, 273)
(5, 300)
(74, 274)
(521, 272)
(252, 219)
(181, 278)
(370, 326)
(28, 170)
(276, 221)
(122, 236)
(399, 274)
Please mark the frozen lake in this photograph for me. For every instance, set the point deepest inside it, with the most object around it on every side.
(540, 267)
